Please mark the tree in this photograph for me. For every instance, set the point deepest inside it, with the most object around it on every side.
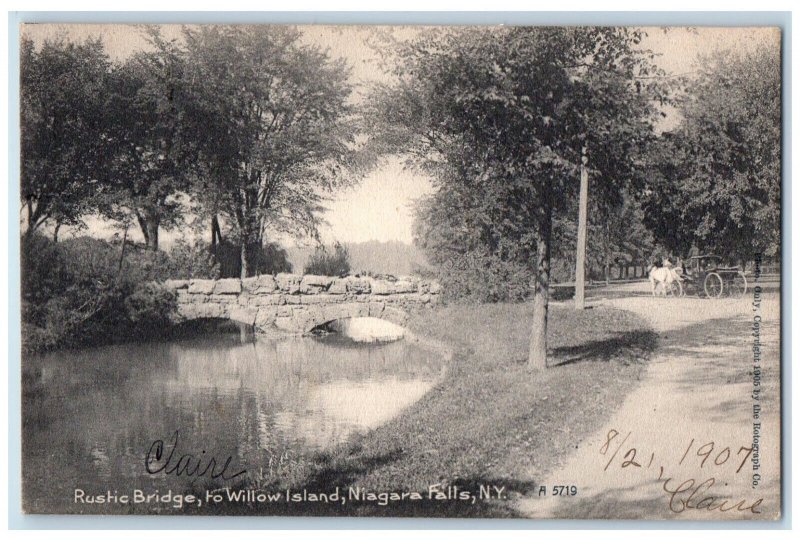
(268, 259)
(613, 103)
(454, 229)
(715, 179)
(153, 160)
(500, 118)
(617, 236)
(64, 142)
(274, 126)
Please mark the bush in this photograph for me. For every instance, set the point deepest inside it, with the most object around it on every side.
(273, 259)
(268, 259)
(79, 300)
(85, 290)
(43, 276)
(478, 278)
(325, 263)
(94, 262)
(151, 306)
(82, 291)
(192, 261)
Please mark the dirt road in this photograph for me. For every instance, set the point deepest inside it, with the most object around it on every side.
(678, 447)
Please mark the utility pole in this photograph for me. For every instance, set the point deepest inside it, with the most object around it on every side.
(580, 260)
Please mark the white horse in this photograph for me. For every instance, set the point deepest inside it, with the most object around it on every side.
(663, 276)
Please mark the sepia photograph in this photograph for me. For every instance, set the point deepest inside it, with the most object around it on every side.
(449, 271)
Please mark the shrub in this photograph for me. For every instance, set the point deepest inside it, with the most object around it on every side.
(87, 291)
(82, 291)
(268, 259)
(274, 259)
(151, 305)
(192, 261)
(43, 276)
(79, 300)
(329, 263)
(92, 262)
(479, 278)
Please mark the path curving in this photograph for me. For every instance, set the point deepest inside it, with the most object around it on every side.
(697, 391)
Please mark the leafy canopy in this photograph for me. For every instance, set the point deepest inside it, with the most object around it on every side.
(715, 182)
(64, 141)
(500, 118)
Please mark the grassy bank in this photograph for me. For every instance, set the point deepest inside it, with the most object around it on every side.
(491, 420)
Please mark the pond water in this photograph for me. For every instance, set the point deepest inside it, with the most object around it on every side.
(90, 416)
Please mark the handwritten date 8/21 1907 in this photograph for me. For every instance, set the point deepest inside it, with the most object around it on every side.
(690, 493)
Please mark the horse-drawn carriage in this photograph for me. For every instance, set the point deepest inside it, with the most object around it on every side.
(704, 275)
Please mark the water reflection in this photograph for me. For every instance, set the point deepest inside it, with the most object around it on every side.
(89, 416)
(367, 329)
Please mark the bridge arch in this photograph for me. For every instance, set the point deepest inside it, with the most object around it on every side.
(296, 304)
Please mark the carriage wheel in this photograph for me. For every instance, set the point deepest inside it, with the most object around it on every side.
(675, 289)
(712, 285)
(738, 285)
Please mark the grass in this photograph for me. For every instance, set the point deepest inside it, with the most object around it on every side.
(491, 420)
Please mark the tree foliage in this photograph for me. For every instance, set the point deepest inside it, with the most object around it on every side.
(64, 140)
(500, 119)
(245, 123)
(273, 124)
(715, 183)
(265, 258)
(153, 158)
(617, 236)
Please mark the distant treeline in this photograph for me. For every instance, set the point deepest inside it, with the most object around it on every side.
(371, 257)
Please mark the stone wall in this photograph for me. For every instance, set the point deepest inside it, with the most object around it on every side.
(295, 304)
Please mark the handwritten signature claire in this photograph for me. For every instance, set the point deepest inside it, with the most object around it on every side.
(690, 493)
(170, 462)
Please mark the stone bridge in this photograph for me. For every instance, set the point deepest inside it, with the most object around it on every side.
(296, 304)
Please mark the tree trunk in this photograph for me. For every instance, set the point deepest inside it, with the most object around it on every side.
(249, 252)
(35, 218)
(152, 227)
(537, 352)
(122, 251)
(149, 222)
(143, 226)
(607, 265)
(580, 261)
(216, 232)
(247, 203)
(245, 259)
(55, 231)
(29, 203)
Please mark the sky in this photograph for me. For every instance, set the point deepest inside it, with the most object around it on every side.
(380, 207)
